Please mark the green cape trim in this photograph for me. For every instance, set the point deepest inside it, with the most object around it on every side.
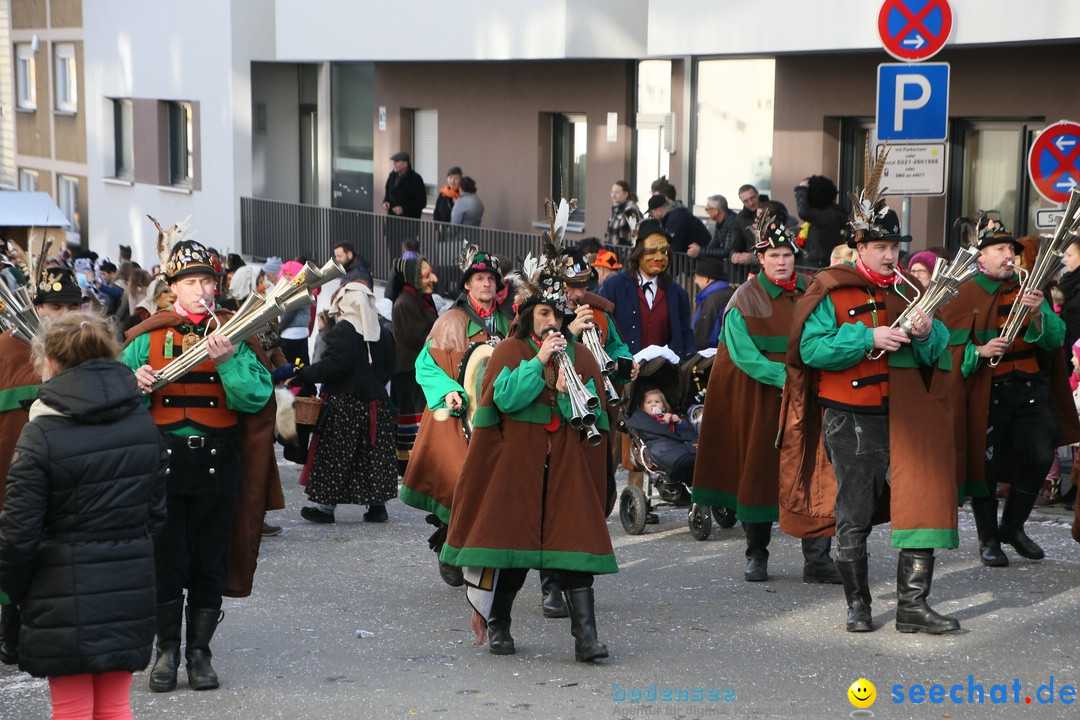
(422, 502)
(11, 399)
(926, 538)
(532, 559)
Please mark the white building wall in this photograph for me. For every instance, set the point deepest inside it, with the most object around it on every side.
(173, 51)
(734, 27)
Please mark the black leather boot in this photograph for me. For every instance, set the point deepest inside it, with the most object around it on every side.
(10, 622)
(1011, 530)
(856, 581)
(451, 574)
(499, 640)
(757, 552)
(914, 573)
(984, 510)
(818, 566)
(554, 605)
(201, 623)
(169, 617)
(583, 625)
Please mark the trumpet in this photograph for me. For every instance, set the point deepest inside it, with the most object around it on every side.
(17, 311)
(583, 402)
(944, 281)
(590, 338)
(254, 315)
(1047, 264)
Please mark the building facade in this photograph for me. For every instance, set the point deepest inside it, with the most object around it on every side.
(306, 102)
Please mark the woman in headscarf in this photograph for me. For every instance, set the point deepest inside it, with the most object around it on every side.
(413, 315)
(353, 461)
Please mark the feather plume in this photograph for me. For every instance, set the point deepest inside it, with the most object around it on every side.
(465, 256)
(525, 279)
(868, 207)
(969, 229)
(558, 219)
(166, 239)
(19, 256)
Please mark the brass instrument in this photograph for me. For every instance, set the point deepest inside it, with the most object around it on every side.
(253, 315)
(583, 403)
(1047, 264)
(944, 281)
(17, 311)
(590, 338)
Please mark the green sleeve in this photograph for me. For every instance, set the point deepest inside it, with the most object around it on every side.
(1053, 330)
(435, 383)
(929, 350)
(971, 359)
(745, 354)
(135, 355)
(247, 383)
(516, 389)
(826, 346)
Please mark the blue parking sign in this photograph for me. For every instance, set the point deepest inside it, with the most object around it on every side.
(913, 102)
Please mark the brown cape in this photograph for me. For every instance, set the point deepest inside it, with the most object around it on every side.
(921, 501)
(260, 485)
(506, 513)
(439, 450)
(16, 371)
(975, 310)
(738, 463)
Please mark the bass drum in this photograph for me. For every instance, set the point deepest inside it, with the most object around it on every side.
(471, 373)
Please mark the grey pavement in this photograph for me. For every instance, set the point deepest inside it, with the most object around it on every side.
(678, 615)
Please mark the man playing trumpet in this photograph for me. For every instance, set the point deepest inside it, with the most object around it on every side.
(200, 417)
(878, 415)
(1014, 420)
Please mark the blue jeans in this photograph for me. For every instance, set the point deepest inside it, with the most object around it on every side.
(857, 445)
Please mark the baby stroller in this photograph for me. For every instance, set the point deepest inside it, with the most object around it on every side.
(659, 489)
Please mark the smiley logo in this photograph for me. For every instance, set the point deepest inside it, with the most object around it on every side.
(862, 693)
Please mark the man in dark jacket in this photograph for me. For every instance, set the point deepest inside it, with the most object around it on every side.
(682, 227)
(405, 194)
(725, 230)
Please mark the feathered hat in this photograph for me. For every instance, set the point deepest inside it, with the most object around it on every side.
(868, 208)
(472, 260)
(540, 279)
(771, 232)
(987, 229)
(178, 254)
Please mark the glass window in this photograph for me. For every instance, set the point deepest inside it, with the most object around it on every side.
(352, 94)
(425, 154)
(25, 76)
(67, 94)
(122, 138)
(28, 180)
(180, 144)
(653, 126)
(569, 139)
(734, 128)
(68, 200)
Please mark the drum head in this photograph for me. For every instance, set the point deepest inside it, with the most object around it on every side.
(471, 372)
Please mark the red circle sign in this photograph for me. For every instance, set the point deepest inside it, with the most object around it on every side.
(914, 30)
(1054, 161)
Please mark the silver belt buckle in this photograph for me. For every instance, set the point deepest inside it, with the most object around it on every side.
(195, 442)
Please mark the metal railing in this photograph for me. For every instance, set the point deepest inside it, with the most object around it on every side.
(284, 229)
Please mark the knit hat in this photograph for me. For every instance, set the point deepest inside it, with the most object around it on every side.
(925, 258)
(607, 259)
(289, 269)
(710, 267)
(272, 266)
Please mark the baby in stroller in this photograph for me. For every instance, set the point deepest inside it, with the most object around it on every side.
(671, 443)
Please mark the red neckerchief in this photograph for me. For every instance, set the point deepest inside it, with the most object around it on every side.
(195, 320)
(881, 281)
(788, 285)
(485, 314)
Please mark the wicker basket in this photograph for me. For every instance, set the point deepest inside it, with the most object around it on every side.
(307, 410)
